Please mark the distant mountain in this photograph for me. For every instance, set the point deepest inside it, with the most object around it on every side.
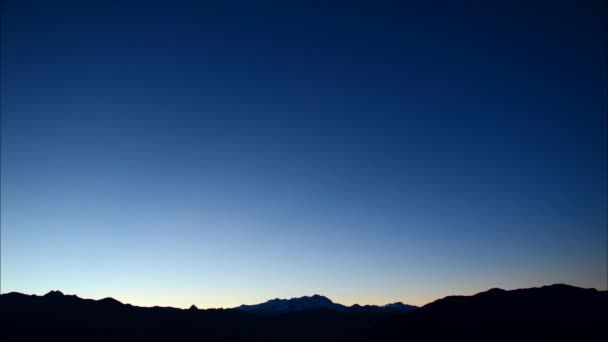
(388, 308)
(548, 312)
(316, 302)
(282, 306)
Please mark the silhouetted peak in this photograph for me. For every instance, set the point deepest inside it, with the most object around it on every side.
(109, 300)
(559, 287)
(278, 306)
(320, 299)
(319, 302)
(495, 290)
(193, 307)
(395, 305)
(54, 294)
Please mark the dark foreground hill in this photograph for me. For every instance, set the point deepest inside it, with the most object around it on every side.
(549, 312)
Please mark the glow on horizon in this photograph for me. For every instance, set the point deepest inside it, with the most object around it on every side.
(221, 300)
(203, 302)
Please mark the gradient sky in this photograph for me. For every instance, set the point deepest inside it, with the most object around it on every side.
(219, 153)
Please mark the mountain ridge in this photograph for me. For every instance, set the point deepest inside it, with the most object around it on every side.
(318, 302)
(315, 299)
(548, 312)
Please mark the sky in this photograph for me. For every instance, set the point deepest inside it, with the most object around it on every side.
(220, 153)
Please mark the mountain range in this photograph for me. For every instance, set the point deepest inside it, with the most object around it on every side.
(317, 302)
(548, 312)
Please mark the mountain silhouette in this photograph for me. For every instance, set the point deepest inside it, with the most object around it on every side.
(54, 294)
(554, 311)
(397, 307)
(547, 302)
(317, 302)
(282, 306)
(549, 312)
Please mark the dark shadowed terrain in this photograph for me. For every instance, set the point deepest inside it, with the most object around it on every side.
(555, 311)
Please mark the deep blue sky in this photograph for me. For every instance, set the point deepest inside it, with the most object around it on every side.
(180, 152)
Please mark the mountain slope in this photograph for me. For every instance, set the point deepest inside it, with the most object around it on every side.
(547, 302)
(549, 312)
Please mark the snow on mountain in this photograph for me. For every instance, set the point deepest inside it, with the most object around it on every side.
(317, 302)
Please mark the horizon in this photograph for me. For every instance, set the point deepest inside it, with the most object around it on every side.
(292, 298)
(223, 153)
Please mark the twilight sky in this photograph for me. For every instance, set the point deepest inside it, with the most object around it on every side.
(198, 152)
